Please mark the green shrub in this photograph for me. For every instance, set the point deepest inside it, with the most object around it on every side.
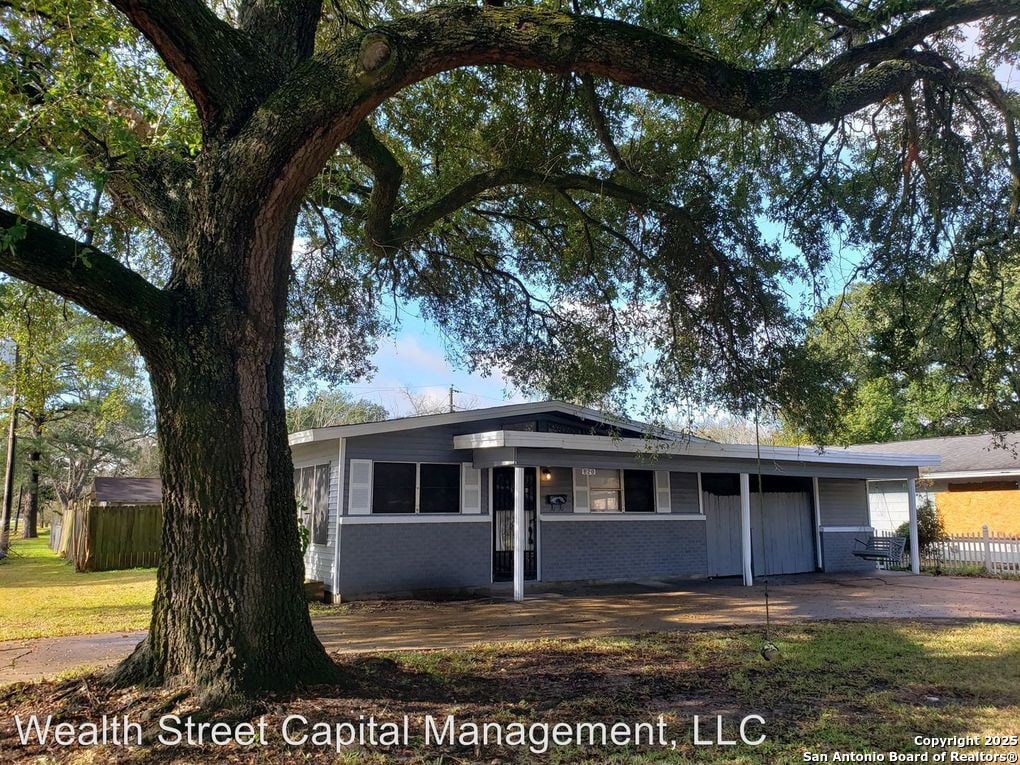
(303, 533)
(930, 529)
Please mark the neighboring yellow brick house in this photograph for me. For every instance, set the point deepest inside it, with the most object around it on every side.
(977, 484)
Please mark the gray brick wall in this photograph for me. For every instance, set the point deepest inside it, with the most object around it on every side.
(403, 557)
(837, 555)
(624, 549)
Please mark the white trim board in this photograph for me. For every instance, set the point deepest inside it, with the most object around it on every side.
(846, 529)
(368, 520)
(499, 439)
(626, 517)
(967, 474)
(341, 483)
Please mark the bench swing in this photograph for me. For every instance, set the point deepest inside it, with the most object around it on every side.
(880, 549)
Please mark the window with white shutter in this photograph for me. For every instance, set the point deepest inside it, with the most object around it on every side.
(581, 503)
(662, 492)
(471, 489)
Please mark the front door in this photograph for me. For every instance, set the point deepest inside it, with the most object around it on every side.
(503, 523)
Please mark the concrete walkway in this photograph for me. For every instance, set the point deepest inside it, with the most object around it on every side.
(585, 611)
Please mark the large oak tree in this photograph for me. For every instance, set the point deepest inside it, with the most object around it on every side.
(578, 195)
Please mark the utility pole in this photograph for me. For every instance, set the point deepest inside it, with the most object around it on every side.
(5, 529)
(452, 391)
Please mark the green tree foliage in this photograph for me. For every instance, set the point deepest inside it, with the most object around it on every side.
(326, 408)
(581, 195)
(81, 399)
(576, 289)
(922, 363)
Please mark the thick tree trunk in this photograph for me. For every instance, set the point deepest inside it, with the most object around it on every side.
(31, 527)
(230, 616)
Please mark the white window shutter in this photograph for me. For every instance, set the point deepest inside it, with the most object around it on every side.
(662, 501)
(359, 499)
(581, 503)
(470, 489)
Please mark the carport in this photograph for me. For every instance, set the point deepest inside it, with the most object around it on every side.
(708, 516)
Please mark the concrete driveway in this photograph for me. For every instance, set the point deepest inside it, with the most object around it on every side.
(585, 611)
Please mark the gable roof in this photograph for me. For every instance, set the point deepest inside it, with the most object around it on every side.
(128, 491)
(507, 410)
(985, 453)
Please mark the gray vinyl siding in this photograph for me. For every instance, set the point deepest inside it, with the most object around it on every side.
(319, 559)
(406, 558)
(561, 482)
(843, 502)
(624, 549)
(683, 493)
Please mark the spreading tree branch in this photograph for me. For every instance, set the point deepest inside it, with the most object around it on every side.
(316, 108)
(96, 281)
(287, 27)
(215, 62)
(388, 175)
(601, 124)
(913, 32)
(386, 233)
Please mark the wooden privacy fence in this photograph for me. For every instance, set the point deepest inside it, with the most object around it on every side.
(98, 538)
(55, 529)
(997, 553)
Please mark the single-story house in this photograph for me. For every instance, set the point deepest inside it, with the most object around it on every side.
(976, 484)
(554, 492)
(116, 525)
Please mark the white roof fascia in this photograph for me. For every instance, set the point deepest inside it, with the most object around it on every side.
(522, 439)
(453, 418)
(934, 476)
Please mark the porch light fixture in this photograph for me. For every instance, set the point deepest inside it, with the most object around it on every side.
(546, 474)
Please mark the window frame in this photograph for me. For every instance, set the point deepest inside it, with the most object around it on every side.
(653, 493)
(310, 499)
(622, 493)
(417, 488)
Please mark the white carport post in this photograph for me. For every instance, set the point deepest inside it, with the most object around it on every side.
(745, 527)
(520, 533)
(915, 547)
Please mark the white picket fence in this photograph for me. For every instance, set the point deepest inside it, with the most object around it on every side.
(997, 553)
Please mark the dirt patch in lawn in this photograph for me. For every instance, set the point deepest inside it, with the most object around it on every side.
(836, 686)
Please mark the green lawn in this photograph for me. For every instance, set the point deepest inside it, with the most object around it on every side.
(836, 687)
(42, 596)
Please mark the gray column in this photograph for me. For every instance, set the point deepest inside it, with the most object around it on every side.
(520, 533)
(745, 527)
(915, 546)
(818, 523)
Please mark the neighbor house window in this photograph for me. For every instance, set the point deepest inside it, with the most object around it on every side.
(410, 487)
(311, 487)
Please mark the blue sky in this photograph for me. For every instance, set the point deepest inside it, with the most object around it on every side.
(415, 359)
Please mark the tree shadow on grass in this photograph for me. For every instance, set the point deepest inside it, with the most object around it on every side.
(847, 686)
